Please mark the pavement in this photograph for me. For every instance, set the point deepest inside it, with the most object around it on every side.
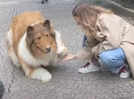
(66, 83)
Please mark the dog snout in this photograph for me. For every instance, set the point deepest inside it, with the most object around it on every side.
(48, 49)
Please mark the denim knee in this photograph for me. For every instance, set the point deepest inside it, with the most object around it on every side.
(105, 58)
(113, 59)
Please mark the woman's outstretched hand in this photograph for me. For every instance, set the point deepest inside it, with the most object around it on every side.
(69, 57)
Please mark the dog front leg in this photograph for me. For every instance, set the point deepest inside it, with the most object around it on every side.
(38, 73)
(61, 49)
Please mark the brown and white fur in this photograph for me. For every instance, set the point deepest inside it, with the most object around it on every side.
(32, 42)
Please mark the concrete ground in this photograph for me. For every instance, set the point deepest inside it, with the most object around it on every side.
(66, 83)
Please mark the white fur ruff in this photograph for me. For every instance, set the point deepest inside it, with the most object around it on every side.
(26, 55)
(49, 58)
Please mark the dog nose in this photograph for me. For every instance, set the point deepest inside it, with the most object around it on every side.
(48, 49)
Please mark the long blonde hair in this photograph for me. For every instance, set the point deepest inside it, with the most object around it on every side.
(88, 15)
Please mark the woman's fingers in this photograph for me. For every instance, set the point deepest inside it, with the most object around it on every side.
(69, 57)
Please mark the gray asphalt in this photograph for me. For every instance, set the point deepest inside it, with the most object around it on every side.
(66, 83)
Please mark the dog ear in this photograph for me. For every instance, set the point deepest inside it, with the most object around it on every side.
(47, 24)
(29, 37)
(30, 29)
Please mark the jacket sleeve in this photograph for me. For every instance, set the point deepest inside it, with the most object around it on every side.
(103, 37)
(99, 48)
(102, 30)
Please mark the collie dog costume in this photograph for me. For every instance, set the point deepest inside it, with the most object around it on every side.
(32, 42)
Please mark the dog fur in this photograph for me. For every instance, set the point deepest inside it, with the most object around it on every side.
(33, 42)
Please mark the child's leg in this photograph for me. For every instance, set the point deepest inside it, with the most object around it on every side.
(114, 59)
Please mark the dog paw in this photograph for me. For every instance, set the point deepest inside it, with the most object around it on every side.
(41, 74)
(62, 53)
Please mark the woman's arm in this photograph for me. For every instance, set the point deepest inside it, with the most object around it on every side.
(84, 54)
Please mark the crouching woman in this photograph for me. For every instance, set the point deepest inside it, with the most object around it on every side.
(108, 40)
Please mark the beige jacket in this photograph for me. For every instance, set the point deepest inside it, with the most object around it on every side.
(119, 33)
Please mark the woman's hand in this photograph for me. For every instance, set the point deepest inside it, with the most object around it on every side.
(69, 57)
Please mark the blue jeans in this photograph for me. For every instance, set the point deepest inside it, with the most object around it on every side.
(84, 43)
(113, 59)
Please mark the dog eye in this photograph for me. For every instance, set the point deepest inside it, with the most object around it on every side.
(46, 35)
(53, 35)
(39, 38)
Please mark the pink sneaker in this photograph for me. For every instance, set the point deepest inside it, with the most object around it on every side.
(124, 72)
(88, 67)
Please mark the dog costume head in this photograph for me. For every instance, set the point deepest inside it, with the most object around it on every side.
(41, 39)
